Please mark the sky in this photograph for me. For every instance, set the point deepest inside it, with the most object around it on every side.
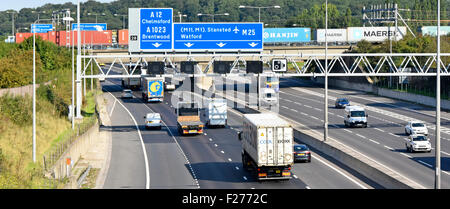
(19, 4)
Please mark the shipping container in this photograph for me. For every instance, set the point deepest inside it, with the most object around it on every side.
(20, 37)
(286, 35)
(432, 30)
(267, 145)
(334, 35)
(123, 37)
(374, 34)
(96, 38)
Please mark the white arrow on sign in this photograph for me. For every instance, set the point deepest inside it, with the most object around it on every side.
(221, 44)
(253, 44)
(156, 45)
(189, 45)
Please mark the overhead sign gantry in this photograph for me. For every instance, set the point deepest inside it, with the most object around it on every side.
(153, 30)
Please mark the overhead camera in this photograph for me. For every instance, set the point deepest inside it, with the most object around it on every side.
(279, 65)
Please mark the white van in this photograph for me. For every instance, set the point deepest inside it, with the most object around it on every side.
(269, 96)
(216, 114)
(355, 116)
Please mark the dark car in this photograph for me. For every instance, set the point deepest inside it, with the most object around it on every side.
(302, 153)
(341, 103)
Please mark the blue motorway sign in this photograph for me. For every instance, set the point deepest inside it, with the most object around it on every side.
(218, 36)
(90, 26)
(41, 28)
(156, 29)
(287, 35)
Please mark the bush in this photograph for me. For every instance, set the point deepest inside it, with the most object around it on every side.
(17, 109)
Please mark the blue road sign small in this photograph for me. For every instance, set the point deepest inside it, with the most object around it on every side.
(218, 36)
(41, 28)
(156, 29)
(90, 26)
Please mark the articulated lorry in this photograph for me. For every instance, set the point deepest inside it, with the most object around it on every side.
(153, 89)
(267, 146)
(188, 118)
(132, 83)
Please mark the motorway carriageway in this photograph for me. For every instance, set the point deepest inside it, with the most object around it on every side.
(384, 138)
(208, 161)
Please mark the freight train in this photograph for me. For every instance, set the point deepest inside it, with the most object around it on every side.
(96, 39)
(119, 38)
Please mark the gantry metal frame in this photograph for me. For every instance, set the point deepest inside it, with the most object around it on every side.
(350, 64)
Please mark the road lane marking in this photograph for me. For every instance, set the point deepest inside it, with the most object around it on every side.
(237, 168)
(425, 163)
(406, 155)
(347, 130)
(112, 109)
(343, 174)
(147, 168)
(374, 141)
(389, 148)
(378, 129)
(245, 178)
(394, 135)
(361, 136)
(179, 147)
(222, 152)
(314, 117)
(229, 159)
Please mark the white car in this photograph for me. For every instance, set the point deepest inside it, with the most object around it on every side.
(127, 94)
(170, 86)
(153, 120)
(416, 127)
(416, 143)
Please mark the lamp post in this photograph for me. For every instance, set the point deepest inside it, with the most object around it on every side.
(123, 19)
(69, 19)
(95, 14)
(181, 15)
(259, 9)
(437, 180)
(325, 123)
(12, 24)
(224, 14)
(78, 72)
(33, 30)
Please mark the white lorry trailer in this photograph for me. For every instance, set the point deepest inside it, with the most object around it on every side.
(132, 83)
(267, 146)
(216, 114)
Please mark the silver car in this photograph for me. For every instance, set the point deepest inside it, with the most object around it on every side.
(127, 94)
(153, 120)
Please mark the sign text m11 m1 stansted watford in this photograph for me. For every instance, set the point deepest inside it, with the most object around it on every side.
(218, 36)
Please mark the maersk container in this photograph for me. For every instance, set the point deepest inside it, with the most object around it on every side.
(375, 34)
